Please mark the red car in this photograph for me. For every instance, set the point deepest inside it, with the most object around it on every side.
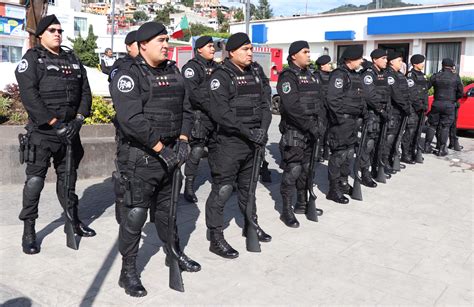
(466, 110)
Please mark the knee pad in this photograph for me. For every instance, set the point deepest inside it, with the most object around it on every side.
(224, 192)
(196, 154)
(34, 185)
(350, 153)
(294, 171)
(135, 219)
(390, 139)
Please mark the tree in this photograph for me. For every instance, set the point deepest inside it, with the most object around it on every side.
(188, 3)
(85, 48)
(220, 17)
(264, 11)
(140, 16)
(239, 15)
(163, 15)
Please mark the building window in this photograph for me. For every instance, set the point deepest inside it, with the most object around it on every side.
(52, 2)
(341, 48)
(80, 26)
(436, 52)
(10, 54)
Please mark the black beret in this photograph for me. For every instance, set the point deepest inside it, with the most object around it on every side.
(202, 41)
(131, 37)
(148, 30)
(417, 59)
(378, 53)
(447, 62)
(237, 40)
(392, 55)
(296, 47)
(353, 52)
(45, 22)
(323, 60)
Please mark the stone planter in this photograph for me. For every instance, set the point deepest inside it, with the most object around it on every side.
(99, 153)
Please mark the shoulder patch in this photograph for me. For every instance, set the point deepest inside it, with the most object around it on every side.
(22, 66)
(410, 82)
(368, 80)
(390, 80)
(286, 87)
(125, 84)
(75, 66)
(215, 84)
(189, 73)
(339, 83)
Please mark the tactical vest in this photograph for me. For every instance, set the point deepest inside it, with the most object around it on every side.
(381, 85)
(203, 85)
(353, 103)
(247, 100)
(445, 86)
(60, 87)
(421, 84)
(324, 77)
(164, 106)
(310, 90)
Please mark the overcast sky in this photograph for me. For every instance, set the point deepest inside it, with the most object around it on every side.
(290, 7)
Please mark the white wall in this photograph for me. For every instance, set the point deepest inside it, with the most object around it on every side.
(283, 31)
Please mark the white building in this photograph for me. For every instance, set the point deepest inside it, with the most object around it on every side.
(436, 31)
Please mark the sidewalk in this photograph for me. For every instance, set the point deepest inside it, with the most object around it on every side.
(408, 243)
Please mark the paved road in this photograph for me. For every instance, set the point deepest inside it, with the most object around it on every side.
(408, 243)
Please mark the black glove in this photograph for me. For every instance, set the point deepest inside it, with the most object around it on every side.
(384, 115)
(314, 132)
(258, 136)
(182, 151)
(169, 157)
(73, 128)
(61, 131)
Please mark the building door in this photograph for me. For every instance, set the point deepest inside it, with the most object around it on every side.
(404, 48)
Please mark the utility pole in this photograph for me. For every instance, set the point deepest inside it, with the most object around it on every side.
(247, 16)
(113, 25)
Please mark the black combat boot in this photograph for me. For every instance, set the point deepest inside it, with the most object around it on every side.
(345, 187)
(287, 216)
(335, 193)
(220, 247)
(185, 263)
(301, 202)
(262, 235)
(428, 148)
(407, 158)
(79, 228)
(129, 278)
(455, 145)
(28, 241)
(367, 179)
(443, 151)
(189, 190)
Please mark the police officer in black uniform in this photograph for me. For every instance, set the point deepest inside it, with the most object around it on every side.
(301, 104)
(418, 85)
(346, 105)
(242, 114)
(196, 77)
(448, 88)
(400, 106)
(324, 71)
(131, 46)
(55, 92)
(377, 97)
(154, 117)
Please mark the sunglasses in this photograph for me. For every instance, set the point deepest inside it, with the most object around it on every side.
(54, 30)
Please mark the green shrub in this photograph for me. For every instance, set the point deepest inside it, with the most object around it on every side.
(102, 111)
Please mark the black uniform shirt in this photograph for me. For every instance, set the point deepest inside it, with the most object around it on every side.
(398, 90)
(223, 89)
(418, 85)
(129, 101)
(373, 98)
(29, 73)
